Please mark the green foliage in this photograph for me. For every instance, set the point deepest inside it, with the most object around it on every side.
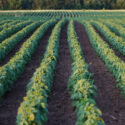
(7, 45)
(119, 4)
(8, 25)
(4, 22)
(117, 42)
(114, 64)
(33, 110)
(62, 4)
(8, 31)
(37, 4)
(117, 28)
(13, 69)
(81, 85)
(15, 4)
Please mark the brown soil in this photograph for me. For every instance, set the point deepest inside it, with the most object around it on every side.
(117, 53)
(11, 101)
(108, 97)
(60, 107)
(15, 49)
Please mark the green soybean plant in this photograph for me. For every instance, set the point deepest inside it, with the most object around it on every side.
(33, 110)
(117, 42)
(7, 45)
(7, 32)
(113, 63)
(13, 69)
(81, 85)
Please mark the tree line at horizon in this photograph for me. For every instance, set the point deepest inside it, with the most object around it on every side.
(61, 4)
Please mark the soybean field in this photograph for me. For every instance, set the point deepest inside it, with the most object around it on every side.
(62, 67)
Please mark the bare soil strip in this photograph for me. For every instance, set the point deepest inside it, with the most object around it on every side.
(60, 107)
(117, 53)
(11, 101)
(108, 99)
(15, 49)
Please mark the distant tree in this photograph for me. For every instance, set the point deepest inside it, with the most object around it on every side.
(37, 4)
(27, 4)
(120, 4)
(82, 3)
(87, 4)
(15, 4)
(62, 4)
(50, 4)
(3, 4)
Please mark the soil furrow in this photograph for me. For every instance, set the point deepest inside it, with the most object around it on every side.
(11, 101)
(60, 107)
(117, 53)
(108, 99)
(15, 49)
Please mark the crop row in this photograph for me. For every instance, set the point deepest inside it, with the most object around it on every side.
(119, 21)
(117, 42)
(81, 85)
(64, 13)
(114, 64)
(7, 45)
(33, 109)
(5, 33)
(13, 69)
(117, 28)
(4, 22)
(6, 25)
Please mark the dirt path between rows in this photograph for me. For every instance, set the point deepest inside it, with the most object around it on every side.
(108, 97)
(117, 53)
(15, 49)
(12, 100)
(60, 107)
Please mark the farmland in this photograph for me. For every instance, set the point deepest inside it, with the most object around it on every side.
(62, 67)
